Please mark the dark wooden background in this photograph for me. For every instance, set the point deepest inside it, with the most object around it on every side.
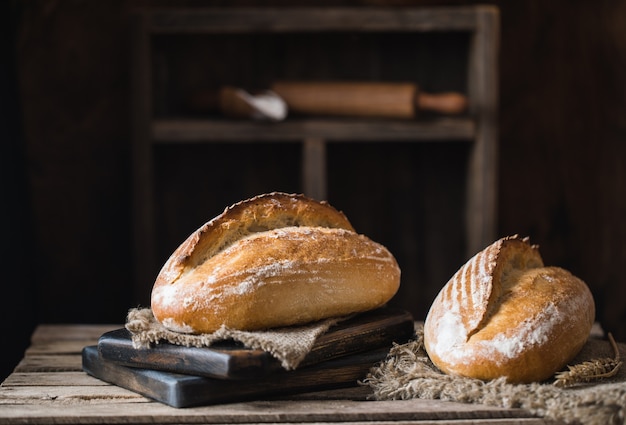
(65, 162)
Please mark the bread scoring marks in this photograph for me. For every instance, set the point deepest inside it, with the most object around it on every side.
(535, 331)
(468, 293)
(452, 338)
(287, 260)
(269, 268)
(255, 215)
(464, 306)
(454, 344)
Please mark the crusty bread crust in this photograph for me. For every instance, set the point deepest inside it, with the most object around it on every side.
(504, 314)
(274, 260)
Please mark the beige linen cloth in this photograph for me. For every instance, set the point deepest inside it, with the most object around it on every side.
(289, 345)
(408, 373)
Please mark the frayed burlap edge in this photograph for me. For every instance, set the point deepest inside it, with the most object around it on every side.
(408, 373)
(289, 345)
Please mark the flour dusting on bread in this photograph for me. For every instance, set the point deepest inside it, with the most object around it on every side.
(504, 314)
(273, 260)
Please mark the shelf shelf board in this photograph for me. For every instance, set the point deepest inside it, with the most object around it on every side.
(247, 20)
(171, 131)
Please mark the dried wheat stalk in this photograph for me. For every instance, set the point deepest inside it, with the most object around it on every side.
(590, 370)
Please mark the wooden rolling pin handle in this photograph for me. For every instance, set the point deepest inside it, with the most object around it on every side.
(450, 103)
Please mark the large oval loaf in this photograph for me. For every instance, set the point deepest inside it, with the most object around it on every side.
(271, 261)
(504, 314)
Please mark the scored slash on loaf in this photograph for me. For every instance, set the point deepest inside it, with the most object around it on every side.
(271, 261)
(505, 314)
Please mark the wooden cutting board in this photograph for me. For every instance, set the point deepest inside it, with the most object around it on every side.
(178, 390)
(230, 360)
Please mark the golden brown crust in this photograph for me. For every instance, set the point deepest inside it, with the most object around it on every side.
(504, 314)
(273, 260)
(268, 211)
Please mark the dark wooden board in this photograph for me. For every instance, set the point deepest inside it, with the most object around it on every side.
(223, 360)
(178, 390)
(230, 360)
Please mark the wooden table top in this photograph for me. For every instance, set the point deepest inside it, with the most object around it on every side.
(49, 386)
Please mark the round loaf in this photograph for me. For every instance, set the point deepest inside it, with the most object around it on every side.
(504, 314)
(271, 261)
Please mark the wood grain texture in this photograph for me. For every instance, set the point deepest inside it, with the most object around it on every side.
(346, 130)
(250, 20)
(73, 397)
(230, 360)
(183, 390)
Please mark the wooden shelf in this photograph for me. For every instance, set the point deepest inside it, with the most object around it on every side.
(172, 131)
(278, 32)
(264, 20)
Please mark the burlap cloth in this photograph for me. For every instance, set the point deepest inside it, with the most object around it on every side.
(289, 345)
(408, 373)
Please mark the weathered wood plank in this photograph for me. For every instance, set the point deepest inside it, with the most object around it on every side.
(68, 332)
(58, 395)
(52, 388)
(50, 363)
(111, 406)
(51, 379)
(96, 409)
(314, 168)
(58, 347)
(481, 205)
(247, 20)
(345, 130)
(97, 413)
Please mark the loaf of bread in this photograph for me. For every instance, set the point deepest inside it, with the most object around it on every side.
(271, 261)
(504, 314)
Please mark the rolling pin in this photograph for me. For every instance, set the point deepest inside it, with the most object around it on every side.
(365, 99)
